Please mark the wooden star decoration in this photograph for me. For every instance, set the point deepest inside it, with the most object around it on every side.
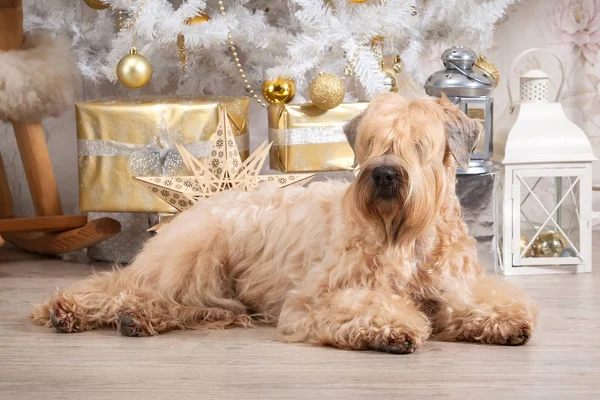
(222, 170)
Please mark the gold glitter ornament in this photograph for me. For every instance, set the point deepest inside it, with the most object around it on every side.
(390, 80)
(197, 19)
(134, 70)
(549, 244)
(96, 4)
(326, 91)
(279, 91)
(486, 66)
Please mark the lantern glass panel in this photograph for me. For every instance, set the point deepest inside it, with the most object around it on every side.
(480, 108)
(549, 219)
(477, 111)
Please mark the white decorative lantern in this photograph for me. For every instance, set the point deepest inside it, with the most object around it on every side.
(546, 185)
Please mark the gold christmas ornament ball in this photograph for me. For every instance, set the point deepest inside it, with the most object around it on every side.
(326, 91)
(390, 80)
(96, 4)
(524, 243)
(485, 66)
(549, 244)
(279, 91)
(134, 70)
(358, 1)
(198, 19)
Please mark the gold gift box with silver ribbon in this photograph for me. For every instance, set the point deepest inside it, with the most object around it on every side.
(122, 138)
(307, 139)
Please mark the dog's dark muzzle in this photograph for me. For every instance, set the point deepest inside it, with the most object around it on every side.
(386, 181)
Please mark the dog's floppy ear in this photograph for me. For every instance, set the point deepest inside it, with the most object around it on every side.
(351, 128)
(462, 132)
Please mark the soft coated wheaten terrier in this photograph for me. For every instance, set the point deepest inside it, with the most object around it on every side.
(380, 263)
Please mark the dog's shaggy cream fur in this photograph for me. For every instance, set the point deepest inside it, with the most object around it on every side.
(38, 80)
(368, 265)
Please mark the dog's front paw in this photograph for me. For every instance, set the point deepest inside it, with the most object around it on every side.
(511, 332)
(398, 341)
(392, 340)
(520, 337)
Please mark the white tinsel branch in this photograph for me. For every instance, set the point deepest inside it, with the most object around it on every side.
(291, 38)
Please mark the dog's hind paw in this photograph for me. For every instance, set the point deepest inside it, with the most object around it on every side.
(129, 324)
(63, 317)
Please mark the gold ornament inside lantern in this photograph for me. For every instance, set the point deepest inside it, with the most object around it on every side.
(197, 19)
(279, 91)
(134, 70)
(524, 243)
(96, 4)
(326, 91)
(549, 244)
(485, 65)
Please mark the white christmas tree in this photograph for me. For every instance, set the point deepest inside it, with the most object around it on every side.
(293, 39)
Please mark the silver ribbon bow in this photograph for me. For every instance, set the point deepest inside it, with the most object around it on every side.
(159, 157)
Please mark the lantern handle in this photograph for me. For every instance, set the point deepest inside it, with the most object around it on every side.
(465, 73)
(518, 59)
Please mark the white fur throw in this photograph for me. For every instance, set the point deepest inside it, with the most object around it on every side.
(38, 80)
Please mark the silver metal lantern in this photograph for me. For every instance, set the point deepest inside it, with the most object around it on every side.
(472, 91)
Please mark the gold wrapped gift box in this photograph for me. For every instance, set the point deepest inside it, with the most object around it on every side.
(307, 139)
(120, 139)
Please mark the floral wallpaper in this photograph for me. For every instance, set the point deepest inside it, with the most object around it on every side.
(569, 28)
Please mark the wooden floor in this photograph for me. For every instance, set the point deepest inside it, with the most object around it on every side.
(562, 361)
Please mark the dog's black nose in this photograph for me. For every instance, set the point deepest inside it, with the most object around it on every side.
(385, 176)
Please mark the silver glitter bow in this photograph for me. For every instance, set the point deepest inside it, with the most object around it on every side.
(160, 156)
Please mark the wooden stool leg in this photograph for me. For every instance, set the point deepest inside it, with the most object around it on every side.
(38, 168)
(11, 25)
(6, 201)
